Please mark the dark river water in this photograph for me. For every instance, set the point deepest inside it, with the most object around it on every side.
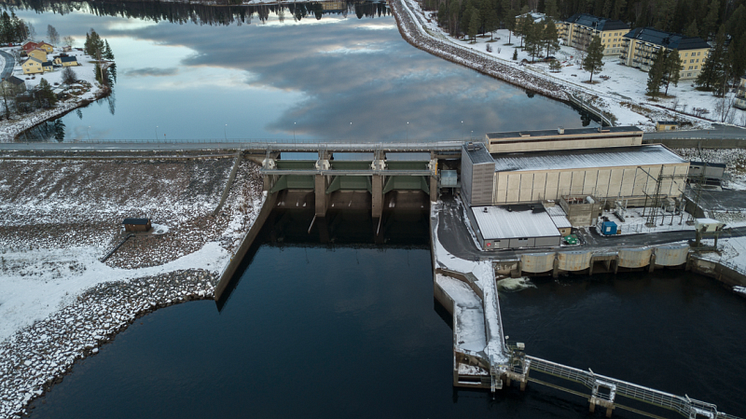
(349, 330)
(338, 77)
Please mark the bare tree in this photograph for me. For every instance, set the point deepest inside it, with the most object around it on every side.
(53, 35)
(68, 76)
(724, 108)
(68, 40)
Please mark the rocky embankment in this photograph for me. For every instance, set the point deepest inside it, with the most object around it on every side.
(34, 359)
(414, 33)
(60, 215)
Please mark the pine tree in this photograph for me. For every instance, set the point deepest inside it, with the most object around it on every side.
(550, 37)
(107, 54)
(550, 8)
(474, 24)
(692, 30)
(45, 94)
(713, 74)
(710, 22)
(593, 61)
(672, 69)
(655, 74)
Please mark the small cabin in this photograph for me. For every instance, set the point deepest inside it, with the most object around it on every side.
(136, 224)
(666, 126)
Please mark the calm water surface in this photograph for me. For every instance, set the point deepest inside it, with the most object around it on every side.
(339, 77)
(351, 331)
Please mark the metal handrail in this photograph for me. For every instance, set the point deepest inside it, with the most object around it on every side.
(683, 405)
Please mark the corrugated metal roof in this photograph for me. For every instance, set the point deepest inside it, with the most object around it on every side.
(569, 132)
(477, 153)
(579, 159)
(559, 217)
(498, 223)
(667, 39)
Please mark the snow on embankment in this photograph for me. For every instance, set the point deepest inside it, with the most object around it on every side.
(482, 275)
(32, 360)
(58, 301)
(412, 30)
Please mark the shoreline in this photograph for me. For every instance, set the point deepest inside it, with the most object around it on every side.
(60, 303)
(36, 358)
(413, 29)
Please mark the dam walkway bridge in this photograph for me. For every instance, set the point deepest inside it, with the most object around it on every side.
(606, 391)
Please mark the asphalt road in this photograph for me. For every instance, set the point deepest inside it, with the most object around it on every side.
(10, 62)
(721, 132)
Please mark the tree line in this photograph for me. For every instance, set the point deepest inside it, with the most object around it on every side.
(12, 28)
(203, 14)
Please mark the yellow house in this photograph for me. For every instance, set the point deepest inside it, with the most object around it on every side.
(32, 66)
(642, 45)
(66, 61)
(578, 30)
(38, 53)
(47, 66)
(46, 47)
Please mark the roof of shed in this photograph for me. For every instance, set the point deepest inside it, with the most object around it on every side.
(644, 155)
(514, 222)
(136, 221)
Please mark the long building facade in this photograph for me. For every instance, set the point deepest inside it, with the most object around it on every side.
(578, 30)
(641, 45)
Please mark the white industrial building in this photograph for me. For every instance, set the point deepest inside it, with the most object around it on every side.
(629, 173)
(515, 226)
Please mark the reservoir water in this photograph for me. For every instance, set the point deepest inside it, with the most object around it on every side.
(209, 75)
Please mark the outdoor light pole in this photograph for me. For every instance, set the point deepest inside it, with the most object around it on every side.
(156, 132)
(88, 132)
(294, 123)
(225, 132)
(407, 131)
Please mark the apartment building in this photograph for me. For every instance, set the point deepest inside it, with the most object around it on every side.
(641, 45)
(578, 30)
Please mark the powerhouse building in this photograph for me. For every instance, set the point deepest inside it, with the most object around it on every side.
(629, 173)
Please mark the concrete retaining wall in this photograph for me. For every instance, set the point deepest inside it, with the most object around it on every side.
(574, 261)
(635, 258)
(671, 255)
(537, 262)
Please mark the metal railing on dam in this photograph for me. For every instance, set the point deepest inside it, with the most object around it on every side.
(280, 145)
(604, 390)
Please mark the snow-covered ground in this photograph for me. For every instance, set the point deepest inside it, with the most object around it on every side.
(617, 89)
(58, 302)
(635, 221)
(85, 73)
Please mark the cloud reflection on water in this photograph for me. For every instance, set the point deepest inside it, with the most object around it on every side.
(348, 78)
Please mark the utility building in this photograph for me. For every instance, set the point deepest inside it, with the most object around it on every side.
(517, 226)
(631, 173)
(563, 139)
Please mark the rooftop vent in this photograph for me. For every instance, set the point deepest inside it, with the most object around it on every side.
(560, 130)
(524, 135)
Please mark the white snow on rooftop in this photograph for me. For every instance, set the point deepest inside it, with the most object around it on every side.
(499, 223)
(577, 159)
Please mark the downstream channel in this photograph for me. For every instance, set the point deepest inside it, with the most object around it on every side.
(350, 329)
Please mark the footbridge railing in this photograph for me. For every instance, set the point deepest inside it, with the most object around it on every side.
(604, 390)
